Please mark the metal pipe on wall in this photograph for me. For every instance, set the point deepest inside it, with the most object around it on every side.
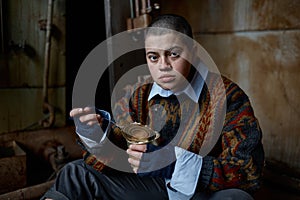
(144, 8)
(47, 108)
(131, 9)
(137, 8)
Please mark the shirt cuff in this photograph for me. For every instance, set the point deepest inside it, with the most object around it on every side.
(94, 136)
(186, 174)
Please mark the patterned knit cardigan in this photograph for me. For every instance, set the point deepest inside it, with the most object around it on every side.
(237, 157)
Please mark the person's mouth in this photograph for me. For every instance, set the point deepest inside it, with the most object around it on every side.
(167, 78)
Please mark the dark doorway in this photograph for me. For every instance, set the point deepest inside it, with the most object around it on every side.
(85, 29)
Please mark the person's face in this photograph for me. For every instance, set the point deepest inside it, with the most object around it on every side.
(167, 61)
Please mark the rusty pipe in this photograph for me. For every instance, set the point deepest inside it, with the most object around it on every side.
(47, 50)
(137, 8)
(47, 108)
(144, 7)
(49, 121)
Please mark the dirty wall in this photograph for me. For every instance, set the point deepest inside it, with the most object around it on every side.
(257, 44)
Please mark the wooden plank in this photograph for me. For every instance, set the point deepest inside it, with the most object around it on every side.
(32, 192)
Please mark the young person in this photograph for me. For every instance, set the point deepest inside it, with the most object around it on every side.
(209, 145)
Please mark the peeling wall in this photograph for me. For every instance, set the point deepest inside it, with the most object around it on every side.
(256, 44)
(22, 64)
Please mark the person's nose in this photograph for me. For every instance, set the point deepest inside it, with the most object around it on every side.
(165, 64)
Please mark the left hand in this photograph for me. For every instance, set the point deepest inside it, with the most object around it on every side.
(151, 160)
(135, 152)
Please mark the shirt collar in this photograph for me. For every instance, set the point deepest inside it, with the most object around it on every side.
(193, 90)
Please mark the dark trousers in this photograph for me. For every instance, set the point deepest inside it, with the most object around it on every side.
(78, 181)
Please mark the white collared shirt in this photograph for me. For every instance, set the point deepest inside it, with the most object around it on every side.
(192, 90)
(188, 165)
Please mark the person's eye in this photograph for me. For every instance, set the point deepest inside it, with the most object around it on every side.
(153, 58)
(174, 54)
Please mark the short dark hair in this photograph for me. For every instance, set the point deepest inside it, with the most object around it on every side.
(172, 22)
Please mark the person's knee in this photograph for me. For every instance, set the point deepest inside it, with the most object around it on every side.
(73, 166)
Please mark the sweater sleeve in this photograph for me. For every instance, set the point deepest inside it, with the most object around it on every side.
(240, 163)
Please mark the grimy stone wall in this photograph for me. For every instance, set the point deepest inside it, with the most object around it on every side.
(22, 64)
(257, 44)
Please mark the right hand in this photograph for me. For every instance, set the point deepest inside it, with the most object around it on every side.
(86, 115)
(89, 123)
(90, 126)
